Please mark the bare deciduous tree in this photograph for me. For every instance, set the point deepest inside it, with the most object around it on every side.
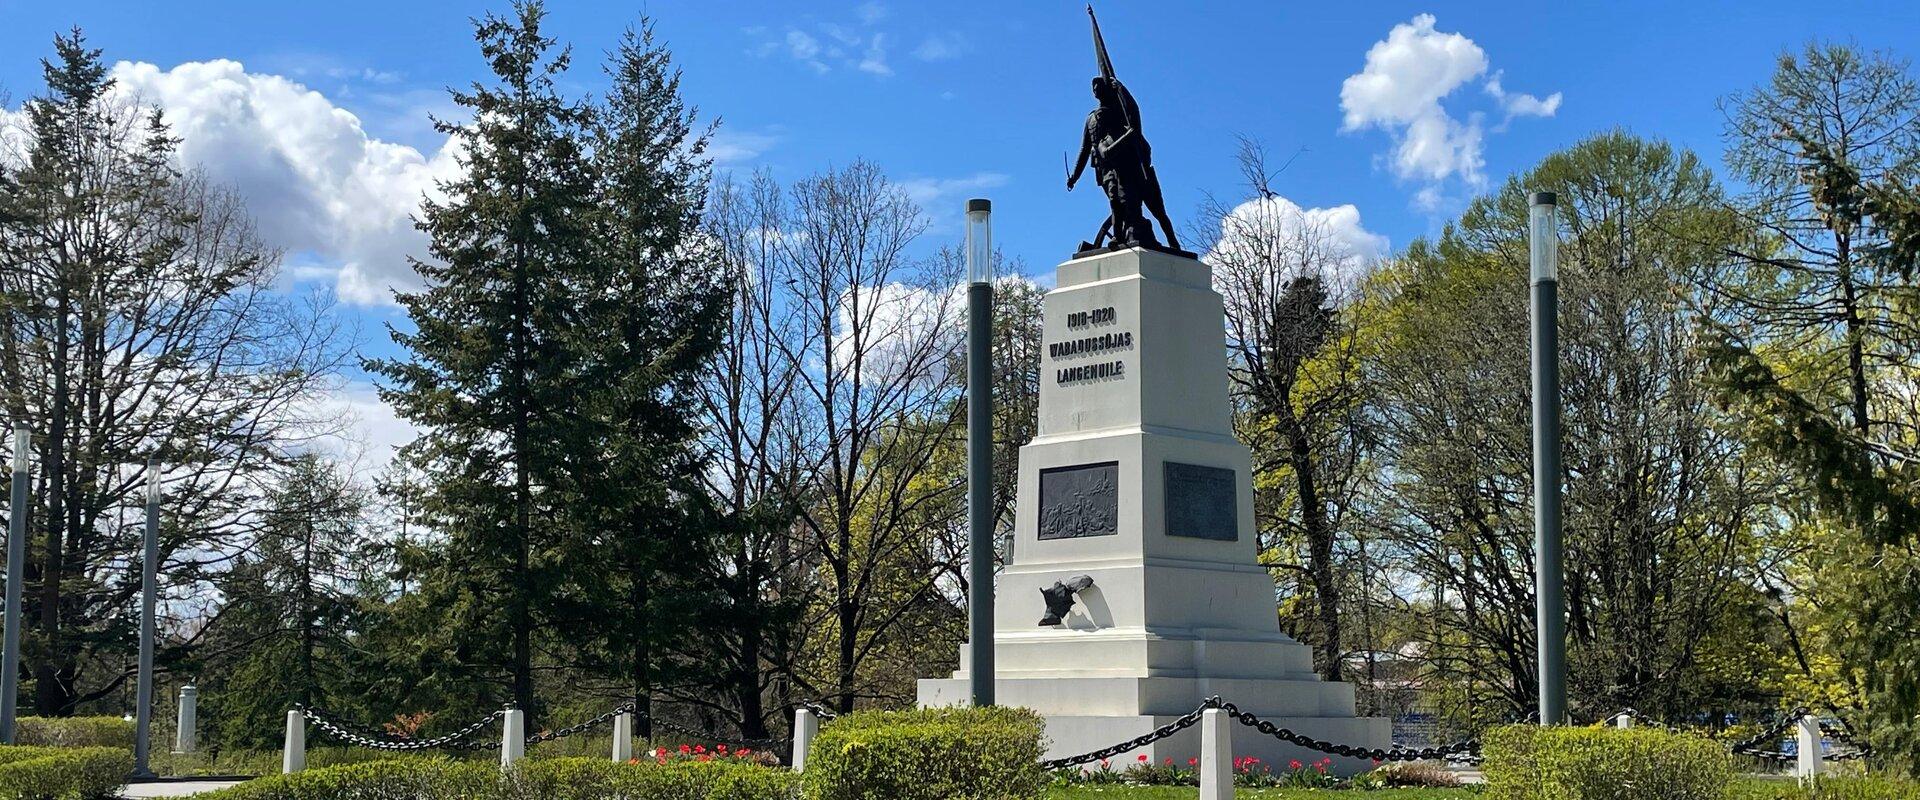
(1282, 276)
(137, 321)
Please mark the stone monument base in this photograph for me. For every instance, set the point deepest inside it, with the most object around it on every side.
(1089, 707)
(1070, 734)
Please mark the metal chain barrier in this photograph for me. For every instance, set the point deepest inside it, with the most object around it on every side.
(364, 736)
(1464, 750)
(359, 735)
(1840, 734)
(1142, 740)
(1750, 746)
(584, 727)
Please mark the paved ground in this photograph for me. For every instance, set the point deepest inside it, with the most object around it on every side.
(174, 788)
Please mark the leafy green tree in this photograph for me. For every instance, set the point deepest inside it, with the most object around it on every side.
(1815, 357)
(495, 370)
(1661, 507)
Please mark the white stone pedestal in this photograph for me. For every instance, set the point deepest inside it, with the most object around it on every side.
(1135, 479)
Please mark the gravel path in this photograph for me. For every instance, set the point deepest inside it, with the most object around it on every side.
(174, 788)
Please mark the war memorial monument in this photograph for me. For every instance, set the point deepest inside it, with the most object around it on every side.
(1133, 591)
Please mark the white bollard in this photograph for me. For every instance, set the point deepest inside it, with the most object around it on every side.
(1808, 738)
(1216, 755)
(806, 726)
(513, 736)
(623, 737)
(1623, 721)
(185, 738)
(294, 757)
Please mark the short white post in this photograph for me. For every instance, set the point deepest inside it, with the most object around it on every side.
(1808, 766)
(1216, 755)
(185, 737)
(623, 737)
(806, 726)
(294, 757)
(1623, 721)
(513, 736)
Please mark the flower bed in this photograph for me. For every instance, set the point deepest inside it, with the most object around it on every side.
(1250, 772)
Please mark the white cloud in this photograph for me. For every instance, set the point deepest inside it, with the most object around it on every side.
(731, 146)
(1275, 230)
(805, 49)
(334, 198)
(1400, 90)
(930, 193)
(1520, 104)
(826, 46)
(902, 328)
(875, 59)
(940, 47)
(373, 432)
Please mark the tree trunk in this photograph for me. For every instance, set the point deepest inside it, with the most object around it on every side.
(642, 656)
(1313, 515)
(51, 696)
(848, 615)
(306, 612)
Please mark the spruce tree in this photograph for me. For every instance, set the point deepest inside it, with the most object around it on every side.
(652, 318)
(496, 367)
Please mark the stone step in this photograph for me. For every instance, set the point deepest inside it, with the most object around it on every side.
(1070, 735)
(1142, 654)
(1130, 696)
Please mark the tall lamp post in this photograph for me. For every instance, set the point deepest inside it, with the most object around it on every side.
(1549, 579)
(980, 451)
(143, 716)
(16, 568)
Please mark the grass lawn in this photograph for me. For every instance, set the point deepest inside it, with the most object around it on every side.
(1116, 792)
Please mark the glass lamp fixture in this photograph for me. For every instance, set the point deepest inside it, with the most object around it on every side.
(979, 241)
(1545, 238)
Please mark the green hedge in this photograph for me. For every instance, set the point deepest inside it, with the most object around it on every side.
(52, 773)
(929, 754)
(74, 732)
(600, 779)
(1851, 787)
(553, 779)
(1529, 762)
(401, 777)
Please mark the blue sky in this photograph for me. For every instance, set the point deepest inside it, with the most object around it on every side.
(956, 99)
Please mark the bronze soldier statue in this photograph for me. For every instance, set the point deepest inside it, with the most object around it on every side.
(1122, 163)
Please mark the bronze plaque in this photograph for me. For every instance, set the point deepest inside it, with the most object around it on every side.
(1202, 502)
(1080, 501)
